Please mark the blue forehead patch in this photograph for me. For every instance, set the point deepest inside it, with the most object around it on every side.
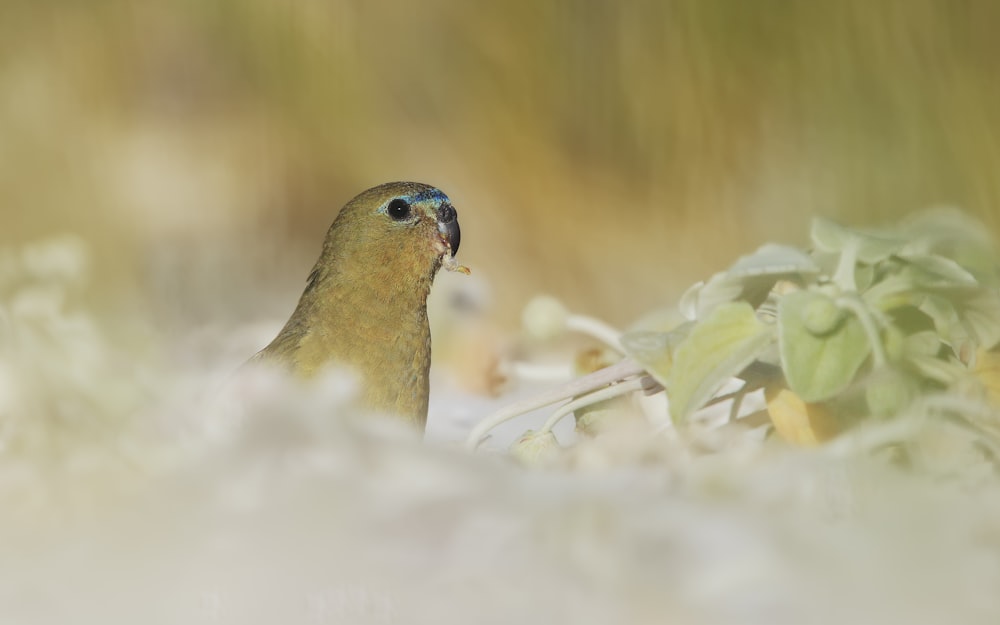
(429, 195)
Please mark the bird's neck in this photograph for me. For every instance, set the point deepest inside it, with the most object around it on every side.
(375, 321)
(376, 294)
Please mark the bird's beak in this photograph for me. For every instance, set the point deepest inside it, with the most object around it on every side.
(447, 218)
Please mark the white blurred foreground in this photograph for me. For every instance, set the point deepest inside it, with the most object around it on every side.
(140, 493)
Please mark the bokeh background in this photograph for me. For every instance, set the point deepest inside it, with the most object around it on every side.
(167, 173)
(608, 153)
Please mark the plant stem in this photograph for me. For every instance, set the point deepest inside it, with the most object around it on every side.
(609, 392)
(734, 408)
(844, 276)
(596, 328)
(624, 369)
(853, 303)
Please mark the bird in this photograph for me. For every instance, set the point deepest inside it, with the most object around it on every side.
(365, 302)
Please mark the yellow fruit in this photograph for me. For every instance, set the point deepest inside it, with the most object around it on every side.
(796, 421)
(987, 369)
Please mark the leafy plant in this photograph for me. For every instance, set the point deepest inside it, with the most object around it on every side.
(862, 325)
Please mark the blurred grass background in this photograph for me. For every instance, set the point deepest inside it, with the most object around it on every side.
(608, 153)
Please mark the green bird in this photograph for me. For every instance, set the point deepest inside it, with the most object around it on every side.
(365, 302)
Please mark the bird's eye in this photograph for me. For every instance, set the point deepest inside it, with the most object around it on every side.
(398, 209)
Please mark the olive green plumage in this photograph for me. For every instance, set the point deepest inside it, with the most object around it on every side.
(365, 304)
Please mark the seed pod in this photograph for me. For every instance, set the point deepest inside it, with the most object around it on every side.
(821, 316)
(534, 448)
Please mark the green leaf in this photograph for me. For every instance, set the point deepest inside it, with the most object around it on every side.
(952, 233)
(655, 350)
(932, 270)
(893, 291)
(944, 372)
(889, 393)
(963, 314)
(910, 332)
(829, 262)
(926, 343)
(774, 260)
(750, 279)
(828, 236)
(910, 319)
(864, 276)
(717, 349)
(818, 367)
(980, 315)
(933, 228)
(658, 320)
(945, 316)
(704, 297)
(871, 247)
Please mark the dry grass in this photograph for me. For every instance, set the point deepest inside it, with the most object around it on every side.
(593, 151)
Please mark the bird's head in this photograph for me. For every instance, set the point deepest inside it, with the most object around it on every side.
(406, 229)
